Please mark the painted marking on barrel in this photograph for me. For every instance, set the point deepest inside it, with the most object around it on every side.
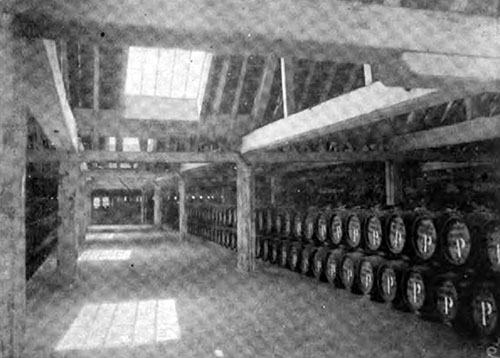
(399, 238)
(448, 304)
(417, 290)
(390, 283)
(338, 230)
(486, 310)
(460, 244)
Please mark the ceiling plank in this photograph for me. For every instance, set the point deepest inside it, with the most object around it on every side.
(479, 129)
(307, 85)
(339, 114)
(219, 92)
(264, 91)
(239, 88)
(328, 82)
(45, 95)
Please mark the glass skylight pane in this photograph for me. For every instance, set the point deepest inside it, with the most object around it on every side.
(131, 144)
(149, 70)
(165, 71)
(181, 70)
(111, 144)
(195, 74)
(133, 83)
(204, 80)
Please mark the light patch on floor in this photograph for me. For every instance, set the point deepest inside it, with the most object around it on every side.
(124, 324)
(105, 255)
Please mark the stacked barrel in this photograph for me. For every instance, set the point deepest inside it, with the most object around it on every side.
(216, 223)
(443, 266)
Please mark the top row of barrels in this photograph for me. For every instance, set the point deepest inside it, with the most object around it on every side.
(449, 236)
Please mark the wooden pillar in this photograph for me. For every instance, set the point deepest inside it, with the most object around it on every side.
(13, 136)
(393, 189)
(67, 240)
(245, 183)
(157, 206)
(81, 207)
(182, 209)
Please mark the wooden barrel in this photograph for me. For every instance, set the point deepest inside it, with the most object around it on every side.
(394, 233)
(269, 221)
(485, 231)
(347, 271)
(298, 227)
(352, 233)
(415, 284)
(294, 254)
(319, 263)
(367, 273)
(309, 226)
(322, 227)
(264, 253)
(333, 264)
(278, 223)
(336, 231)
(422, 234)
(484, 307)
(306, 259)
(389, 279)
(260, 224)
(274, 250)
(454, 239)
(445, 297)
(287, 223)
(283, 253)
(234, 241)
(371, 230)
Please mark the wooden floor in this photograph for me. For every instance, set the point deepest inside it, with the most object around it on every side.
(162, 298)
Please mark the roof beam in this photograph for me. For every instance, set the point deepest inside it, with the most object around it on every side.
(307, 84)
(288, 86)
(342, 113)
(264, 91)
(361, 33)
(45, 94)
(479, 129)
(168, 157)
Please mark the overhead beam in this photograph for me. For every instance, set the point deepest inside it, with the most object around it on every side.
(167, 157)
(479, 129)
(344, 112)
(435, 166)
(288, 86)
(45, 95)
(358, 32)
(307, 84)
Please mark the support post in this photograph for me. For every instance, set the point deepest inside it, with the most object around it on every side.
(81, 211)
(157, 206)
(393, 189)
(13, 135)
(143, 207)
(67, 234)
(274, 184)
(182, 209)
(245, 183)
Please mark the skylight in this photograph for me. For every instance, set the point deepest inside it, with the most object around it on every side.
(168, 73)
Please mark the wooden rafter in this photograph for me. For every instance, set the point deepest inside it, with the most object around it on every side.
(446, 112)
(158, 157)
(288, 85)
(221, 84)
(264, 91)
(239, 87)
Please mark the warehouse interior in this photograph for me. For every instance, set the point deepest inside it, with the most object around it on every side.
(245, 178)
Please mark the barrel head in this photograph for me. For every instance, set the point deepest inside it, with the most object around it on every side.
(387, 283)
(347, 272)
(456, 242)
(446, 301)
(414, 291)
(484, 311)
(396, 235)
(336, 231)
(366, 277)
(373, 233)
(353, 231)
(425, 239)
(322, 228)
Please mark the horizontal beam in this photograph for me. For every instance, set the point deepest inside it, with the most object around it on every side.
(434, 166)
(364, 106)
(158, 157)
(358, 32)
(479, 129)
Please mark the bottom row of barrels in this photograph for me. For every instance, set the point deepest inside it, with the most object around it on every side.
(461, 299)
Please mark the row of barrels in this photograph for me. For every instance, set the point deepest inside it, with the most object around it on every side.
(449, 237)
(222, 236)
(458, 299)
(218, 215)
